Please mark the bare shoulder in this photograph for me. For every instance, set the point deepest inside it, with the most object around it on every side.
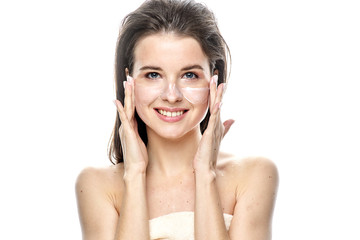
(98, 193)
(105, 177)
(105, 182)
(259, 166)
(249, 171)
(250, 165)
(261, 170)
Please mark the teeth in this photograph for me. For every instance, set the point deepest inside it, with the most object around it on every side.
(171, 114)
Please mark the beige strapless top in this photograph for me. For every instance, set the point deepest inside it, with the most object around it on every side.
(177, 226)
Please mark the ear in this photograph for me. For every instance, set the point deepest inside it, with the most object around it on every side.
(126, 72)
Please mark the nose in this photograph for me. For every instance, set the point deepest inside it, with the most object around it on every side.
(171, 93)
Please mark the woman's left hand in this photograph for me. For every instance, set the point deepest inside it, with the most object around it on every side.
(208, 150)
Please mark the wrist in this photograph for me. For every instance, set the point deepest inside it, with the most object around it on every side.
(134, 175)
(205, 175)
(135, 168)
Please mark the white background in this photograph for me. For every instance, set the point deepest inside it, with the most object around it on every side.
(294, 93)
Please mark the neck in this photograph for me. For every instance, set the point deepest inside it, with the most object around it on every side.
(171, 157)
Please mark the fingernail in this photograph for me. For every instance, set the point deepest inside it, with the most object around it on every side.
(114, 101)
(124, 84)
(220, 104)
(129, 79)
(215, 79)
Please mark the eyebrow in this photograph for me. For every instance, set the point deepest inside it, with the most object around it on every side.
(150, 68)
(195, 66)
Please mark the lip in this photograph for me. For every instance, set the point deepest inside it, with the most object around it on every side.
(171, 119)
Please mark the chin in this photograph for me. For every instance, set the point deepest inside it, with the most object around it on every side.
(174, 133)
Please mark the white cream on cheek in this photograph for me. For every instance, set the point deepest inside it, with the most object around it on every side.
(196, 95)
(145, 95)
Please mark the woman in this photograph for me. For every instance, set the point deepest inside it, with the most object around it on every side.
(170, 181)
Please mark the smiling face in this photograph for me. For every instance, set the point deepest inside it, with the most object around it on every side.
(171, 75)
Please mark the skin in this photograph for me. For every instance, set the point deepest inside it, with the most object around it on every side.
(180, 169)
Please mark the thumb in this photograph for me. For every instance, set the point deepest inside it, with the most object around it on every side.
(227, 124)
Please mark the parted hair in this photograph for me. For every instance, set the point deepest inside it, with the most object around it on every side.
(184, 18)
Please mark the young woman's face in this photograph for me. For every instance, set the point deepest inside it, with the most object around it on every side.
(171, 75)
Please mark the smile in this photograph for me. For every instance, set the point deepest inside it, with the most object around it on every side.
(170, 114)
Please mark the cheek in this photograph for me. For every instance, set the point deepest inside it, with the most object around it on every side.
(205, 109)
(196, 95)
(200, 101)
(144, 96)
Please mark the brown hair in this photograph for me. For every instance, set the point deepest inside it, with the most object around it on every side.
(186, 18)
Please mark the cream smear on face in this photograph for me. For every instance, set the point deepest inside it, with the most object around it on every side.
(147, 93)
(196, 95)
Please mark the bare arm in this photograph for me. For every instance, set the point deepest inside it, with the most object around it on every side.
(134, 219)
(255, 201)
(97, 213)
(209, 219)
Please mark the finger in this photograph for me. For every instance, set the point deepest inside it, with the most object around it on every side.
(219, 94)
(123, 120)
(128, 98)
(213, 86)
(123, 117)
(227, 124)
(132, 95)
(214, 118)
(119, 108)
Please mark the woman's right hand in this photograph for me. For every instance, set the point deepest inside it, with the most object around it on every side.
(134, 150)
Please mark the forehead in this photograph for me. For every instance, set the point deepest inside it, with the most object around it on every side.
(169, 50)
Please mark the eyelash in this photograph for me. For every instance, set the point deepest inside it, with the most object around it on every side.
(186, 75)
(193, 75)
(148, 75)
